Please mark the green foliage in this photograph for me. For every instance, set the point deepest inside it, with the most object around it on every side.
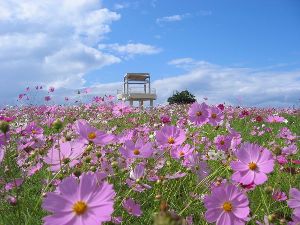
(183, 97)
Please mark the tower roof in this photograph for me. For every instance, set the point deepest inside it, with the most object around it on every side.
(137, 76)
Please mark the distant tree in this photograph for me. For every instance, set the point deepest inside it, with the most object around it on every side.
(183, 97)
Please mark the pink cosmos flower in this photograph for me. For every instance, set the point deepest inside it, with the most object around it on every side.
(198, 113)
(165, 119)
(244, 113)
(110, 97)
(15, 183)
(7, 119)
(290, 149)
(21, 96)
(136, 150)
(32, 129)
(121, 109)
(138, 172)
(91, 134)
(132, 207)
(294, 201)
(170, 136)
(216, 116)
(47, 98)
(197, 165)
(221, 106)
(296, 220)
(89, 201)
(227, 205)
(254, 162)
(279, 196)
(98, 99)
(12, 200)
(3, 138)
(265, 222)
(51, 89)
(135, 175)
(222, 142)
(182, 151)
(282, 160)
(275, 119)
(1, 153)
(66, 153)
(33, 169)
(286, 134)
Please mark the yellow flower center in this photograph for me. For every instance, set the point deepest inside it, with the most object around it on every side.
(252, 166)
(199, 113)
(136, 152)
(227, 206)
(33, 131)
(92, 135)
(181, 153)
(171, 140)
(222, 142)
(79, 207)
(214, 116)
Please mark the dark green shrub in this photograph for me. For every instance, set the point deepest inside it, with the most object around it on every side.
(183, 97)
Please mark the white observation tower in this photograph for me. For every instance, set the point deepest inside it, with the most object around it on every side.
(137, 87)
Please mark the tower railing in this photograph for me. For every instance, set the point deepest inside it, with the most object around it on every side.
(137, 90)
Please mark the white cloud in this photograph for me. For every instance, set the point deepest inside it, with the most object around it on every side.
(232, 85)
(257, 87)
(51, 42)
(118, 6)
(172, 18)
(131, 49)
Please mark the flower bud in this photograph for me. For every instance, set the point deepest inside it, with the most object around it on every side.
(158, 197)
(66, 160)
(89, 148)
(114, 164)
(57, 124)
(11, 200)
(269, 189)
(271, 217)
(77, 173)
(68, 138)
(282, 221)
(88, 159)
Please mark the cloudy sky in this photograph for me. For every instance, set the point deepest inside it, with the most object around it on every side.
(238, 52)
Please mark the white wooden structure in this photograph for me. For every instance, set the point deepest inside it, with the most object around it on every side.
(137, 87)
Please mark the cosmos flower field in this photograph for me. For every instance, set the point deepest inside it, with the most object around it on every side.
(106, 163)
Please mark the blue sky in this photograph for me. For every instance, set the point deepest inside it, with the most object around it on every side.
(228, 33)
(224, 50)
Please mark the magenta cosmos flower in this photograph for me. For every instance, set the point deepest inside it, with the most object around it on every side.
(87, 202)
(198, 113)
(254, 162)
(136, 150)
(226, 205)
(66, 153)
(294, 201)
(91, 134)
(170, 136)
